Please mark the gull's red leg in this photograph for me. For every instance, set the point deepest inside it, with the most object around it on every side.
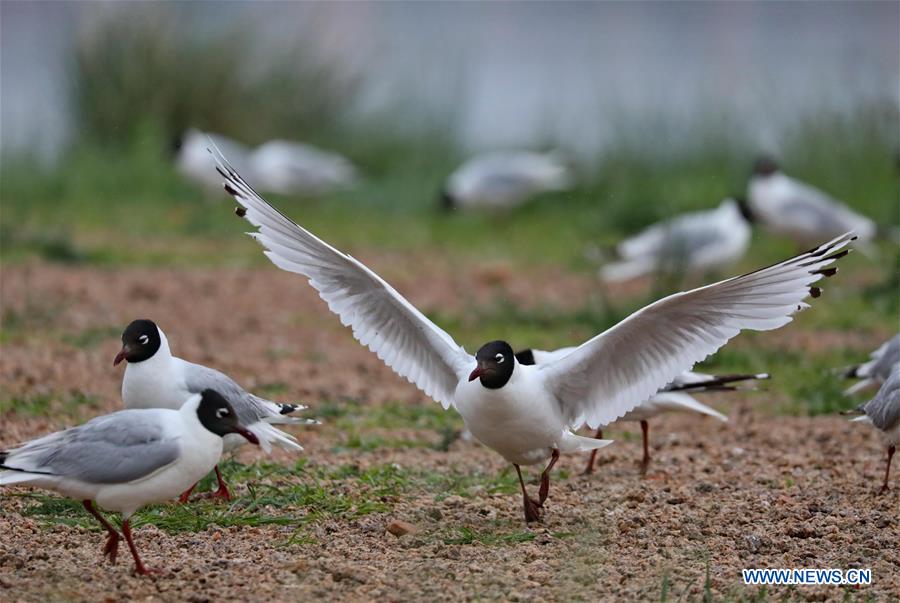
(139, 567)
(645, 462)
(532, 508)
(887, 471)
(186, 494)
(112, 543)
(544, 492)
(590, 466)
(222, 492)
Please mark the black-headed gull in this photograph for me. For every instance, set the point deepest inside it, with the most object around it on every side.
(289, 168)
(796, 210)
(154, 378)
(192, 159)
(674, 397)
(694, 243)
(503, 180)
(127, 459)
(883, 412)
(877, 369)
(527, 413)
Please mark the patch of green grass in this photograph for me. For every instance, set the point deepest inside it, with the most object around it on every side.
(302, 496)
(41, 405)
(464, 535)
(93, 336)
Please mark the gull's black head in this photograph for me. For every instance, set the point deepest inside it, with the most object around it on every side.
(744, 208)
(496, 362)
(140, 341)
(217, 416)
(447, 201)
(764, 166)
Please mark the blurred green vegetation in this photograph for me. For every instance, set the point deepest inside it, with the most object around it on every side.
(116, 199)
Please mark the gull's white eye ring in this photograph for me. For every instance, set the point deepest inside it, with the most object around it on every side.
(499, 358)
(222, 412)
(143, 339)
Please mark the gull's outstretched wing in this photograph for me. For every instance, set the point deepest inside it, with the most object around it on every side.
(615, 371)
(381, 319)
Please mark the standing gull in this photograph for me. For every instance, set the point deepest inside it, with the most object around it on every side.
(503, 180)
(290, 168)
(883, 412)
(528, 413)
(127, 459)
(671, 398)
(794, 209)
(694, 243)
(192, 159)
(877, 369)
(154, 378)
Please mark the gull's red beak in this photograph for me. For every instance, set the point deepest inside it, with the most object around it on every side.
(120, 356)
(478, 372)
(249, 435)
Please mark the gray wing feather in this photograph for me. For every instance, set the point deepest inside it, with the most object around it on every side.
(884, 409)
(890, 355)
(250, 409)
(113, 449)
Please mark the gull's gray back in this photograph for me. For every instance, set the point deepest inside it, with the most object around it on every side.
(249, 408)
(881, 369)
(884, 409)
(112, 449)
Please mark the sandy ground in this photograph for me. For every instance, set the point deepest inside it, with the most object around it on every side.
(759, 491)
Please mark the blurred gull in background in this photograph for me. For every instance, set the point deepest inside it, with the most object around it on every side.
(805, 214)
(279, 166)
(697, 242)
(192, 158)
(293, 168)
(671, 398)
(503, 180)
(883, 412)
(877, 369)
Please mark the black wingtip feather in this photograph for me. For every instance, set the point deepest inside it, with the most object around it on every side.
(525, 357)
(287, 409)
(240, 212)
(815, 291)
(230, 190)
(826, 272)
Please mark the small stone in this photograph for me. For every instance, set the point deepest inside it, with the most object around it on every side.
(435, 514)
(753, 543)
(400, 528)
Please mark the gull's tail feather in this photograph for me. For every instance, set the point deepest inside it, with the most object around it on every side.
(577, 443)
(280, 413)
(718, 383)
(627, 270)
(269, 435)
(860, 386)
(679, 401)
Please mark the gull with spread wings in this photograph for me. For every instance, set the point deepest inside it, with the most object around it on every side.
(528, 413)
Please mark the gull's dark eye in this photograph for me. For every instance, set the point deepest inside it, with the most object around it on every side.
(499, 358)
(143, 339)
(222, 412)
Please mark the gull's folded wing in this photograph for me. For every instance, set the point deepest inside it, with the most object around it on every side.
(381, 319)
(615, 371)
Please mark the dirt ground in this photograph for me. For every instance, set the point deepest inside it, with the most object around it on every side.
(760, 491)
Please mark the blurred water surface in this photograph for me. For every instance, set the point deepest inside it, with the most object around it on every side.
(517, 73)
